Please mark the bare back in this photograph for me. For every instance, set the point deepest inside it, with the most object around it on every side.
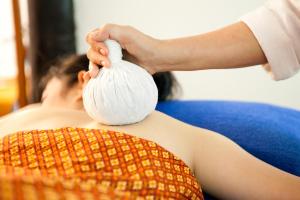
(170, 133)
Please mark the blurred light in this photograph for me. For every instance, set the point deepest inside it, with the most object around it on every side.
(8, 65)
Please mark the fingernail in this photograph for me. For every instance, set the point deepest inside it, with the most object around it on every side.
(103, 63)
(91, 74)
(102, 52)
(94, 35)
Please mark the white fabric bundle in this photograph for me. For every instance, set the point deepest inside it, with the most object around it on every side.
(122, 94)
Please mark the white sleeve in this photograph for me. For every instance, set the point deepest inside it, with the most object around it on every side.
(276, 26)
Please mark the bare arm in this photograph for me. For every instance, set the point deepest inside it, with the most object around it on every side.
(228, 172)
(230, 47)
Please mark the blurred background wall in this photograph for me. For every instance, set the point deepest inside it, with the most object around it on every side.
(46, 30)
(174, 18)
(33, 34)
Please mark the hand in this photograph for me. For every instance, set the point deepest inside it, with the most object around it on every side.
(138, 47)
(86, 78)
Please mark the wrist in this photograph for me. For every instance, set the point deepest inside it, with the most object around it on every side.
(163, 56)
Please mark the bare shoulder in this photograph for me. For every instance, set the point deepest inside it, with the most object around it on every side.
(156, 123)
(29, 107)
(176, 125)
(38, 117)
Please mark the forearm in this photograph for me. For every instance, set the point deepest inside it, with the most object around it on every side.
(230, 47)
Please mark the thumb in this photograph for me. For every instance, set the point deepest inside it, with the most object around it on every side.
(103, 33)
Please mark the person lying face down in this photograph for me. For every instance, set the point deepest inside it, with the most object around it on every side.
(221, 167)
(65, 80)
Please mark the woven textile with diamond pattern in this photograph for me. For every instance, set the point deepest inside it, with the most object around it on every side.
(76, 163)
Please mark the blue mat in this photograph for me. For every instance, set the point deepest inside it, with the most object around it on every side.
(270, 133)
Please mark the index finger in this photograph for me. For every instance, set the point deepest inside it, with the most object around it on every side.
(97, 46)
(98, 35)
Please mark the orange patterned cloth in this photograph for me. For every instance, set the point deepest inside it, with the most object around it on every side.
(77, 163)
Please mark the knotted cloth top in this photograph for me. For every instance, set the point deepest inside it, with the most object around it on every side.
(121, 94)
(115, 51)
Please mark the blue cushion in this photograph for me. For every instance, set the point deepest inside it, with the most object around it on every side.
(269, 132)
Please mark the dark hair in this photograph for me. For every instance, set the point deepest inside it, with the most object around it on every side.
(68, 68)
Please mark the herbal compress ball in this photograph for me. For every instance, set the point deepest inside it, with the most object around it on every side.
(122, 94)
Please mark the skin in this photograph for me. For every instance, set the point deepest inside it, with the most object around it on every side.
(222, 168)
(230, 47)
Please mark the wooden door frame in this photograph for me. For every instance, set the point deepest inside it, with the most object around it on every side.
(20, 55)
